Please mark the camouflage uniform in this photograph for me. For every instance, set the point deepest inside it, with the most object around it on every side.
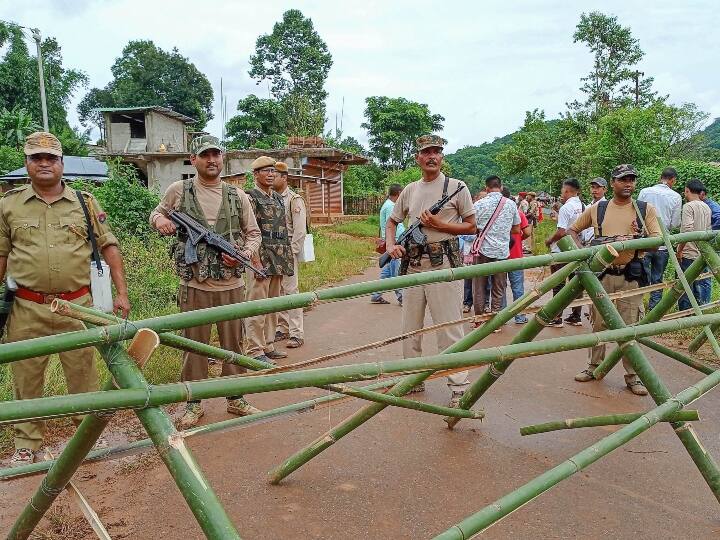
(277, 259)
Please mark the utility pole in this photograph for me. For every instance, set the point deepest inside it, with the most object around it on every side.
(43, 100)
(637, 74)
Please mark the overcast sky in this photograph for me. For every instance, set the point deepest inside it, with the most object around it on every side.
(481, 64)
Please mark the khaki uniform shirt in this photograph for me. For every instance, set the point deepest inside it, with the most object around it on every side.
(421, 195)
(695, 217)
(47, 245)
(209, 197)
(295, 219)
(619, 221)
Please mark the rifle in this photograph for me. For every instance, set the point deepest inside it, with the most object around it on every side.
(6, 302)
(413, 234)
(197, 233)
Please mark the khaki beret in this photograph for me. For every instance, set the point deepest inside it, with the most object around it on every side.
(42, 142)
(262, 162)
(281, 166)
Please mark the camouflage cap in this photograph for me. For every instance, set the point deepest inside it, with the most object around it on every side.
(42, 142)
(281, 167)
(624, 170)
(429, 141)
(599, 181)
(205, 142)
(261, 162)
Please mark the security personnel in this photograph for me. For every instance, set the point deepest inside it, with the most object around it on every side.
(274, 255)
(216, 279)
(442, 251)
(620, 218)
(290, 323)
(45, 248)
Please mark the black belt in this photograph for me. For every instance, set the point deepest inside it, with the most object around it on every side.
(274, 235)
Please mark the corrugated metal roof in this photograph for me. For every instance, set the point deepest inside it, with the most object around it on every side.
(156, 108)
(75, 167)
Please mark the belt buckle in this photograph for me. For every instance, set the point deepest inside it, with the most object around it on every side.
(48, 298)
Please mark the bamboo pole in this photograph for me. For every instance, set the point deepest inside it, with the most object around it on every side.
(667, 351)
(667, 301)
(62, 470)
(659, 392)
(542, 318)
(91, 316)
(10, 352)
(501, 508)
(713, 261)
(329, 438)
(605, 420)
(164, 394)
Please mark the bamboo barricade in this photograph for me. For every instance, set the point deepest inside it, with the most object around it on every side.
(135, 393)
(713, 261)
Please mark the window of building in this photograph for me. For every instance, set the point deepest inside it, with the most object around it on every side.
(187, 162)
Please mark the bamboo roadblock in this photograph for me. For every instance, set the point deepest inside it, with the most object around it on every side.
(604, 420)
(713, 261)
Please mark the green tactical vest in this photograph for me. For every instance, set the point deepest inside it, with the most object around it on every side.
(275, 253)
(227, 225)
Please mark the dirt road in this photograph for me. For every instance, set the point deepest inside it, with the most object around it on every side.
(404, 475)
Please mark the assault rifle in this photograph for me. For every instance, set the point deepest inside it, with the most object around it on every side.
(413, 234)
(599, 240)
(197, 233)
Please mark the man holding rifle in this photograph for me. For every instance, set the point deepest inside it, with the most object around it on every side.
(457, 216)
(216, 278)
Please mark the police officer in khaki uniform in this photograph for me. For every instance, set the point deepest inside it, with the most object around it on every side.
(290, 323)
(45, 248)
(216, 280)
(274, 255)
(442, 251)
(622, 220)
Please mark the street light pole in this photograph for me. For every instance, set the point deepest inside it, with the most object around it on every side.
(43, 100)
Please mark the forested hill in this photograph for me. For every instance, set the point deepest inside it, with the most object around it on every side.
(712, 132)
(475, 163)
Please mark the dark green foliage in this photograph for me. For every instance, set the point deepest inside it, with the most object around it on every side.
(260, 124)
(125, 200)
(147, 75)
(10, 159)
(712, 134)
(393, 124)
(687, 169)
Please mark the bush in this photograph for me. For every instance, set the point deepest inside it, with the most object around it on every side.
(687, 169)
(10, 159)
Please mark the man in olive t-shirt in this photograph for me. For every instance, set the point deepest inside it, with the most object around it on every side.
(623, 221)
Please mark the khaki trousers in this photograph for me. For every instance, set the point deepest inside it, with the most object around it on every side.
(260, 330)
(445, 303)
(30, 320)
(195, 366)
(291, 321)
(630, 310)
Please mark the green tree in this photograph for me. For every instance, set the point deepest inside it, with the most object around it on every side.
(260, 124)
(147, 75)
(611, 83)
(393, 124)
(294, 59)
(19, 86)
(15, 125)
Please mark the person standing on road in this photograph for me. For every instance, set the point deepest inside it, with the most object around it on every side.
(622, 218)
(517, 277)
(442, 251)
(45, 229)
(290, 323)
(216, 279)
(496, 219)
(392, 267)
(567, 215)
(274, 255)
(695, 216)
(667, 203)
(706, 287)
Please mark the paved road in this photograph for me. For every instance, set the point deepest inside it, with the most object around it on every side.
(404, 475)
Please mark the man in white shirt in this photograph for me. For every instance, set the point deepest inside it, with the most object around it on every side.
(568, 213)
(668, 203)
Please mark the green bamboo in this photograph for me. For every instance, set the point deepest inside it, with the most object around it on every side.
(164, 394)
(659, 392)
(329, 438)
(10, 352)
(92, 316)
(542, 318)
(605, 420)
(667, 351)
(142, 445)
(713, 260)
(492, 513)
(666, 303)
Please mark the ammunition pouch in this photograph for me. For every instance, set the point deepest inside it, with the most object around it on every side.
(635, 271)
(436, 252)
